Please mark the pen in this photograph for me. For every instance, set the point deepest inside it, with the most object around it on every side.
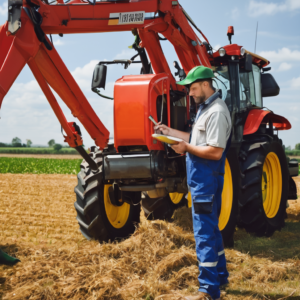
(150, 117)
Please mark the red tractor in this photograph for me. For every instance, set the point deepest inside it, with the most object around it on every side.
(137, 170)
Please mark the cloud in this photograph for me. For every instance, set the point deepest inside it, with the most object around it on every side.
(126, 54)
(3, 9)
(282, 55)
(284, 67)
(295, 83)
(235, 13)
(217, 47)
(27, 114)
(263, 8)
(83, 75)
(58, 42)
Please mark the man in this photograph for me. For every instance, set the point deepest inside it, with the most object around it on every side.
(205, 150)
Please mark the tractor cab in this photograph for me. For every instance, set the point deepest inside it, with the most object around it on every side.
(242, 78)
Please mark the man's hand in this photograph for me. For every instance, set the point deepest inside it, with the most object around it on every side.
(163, 128)
(180, 148)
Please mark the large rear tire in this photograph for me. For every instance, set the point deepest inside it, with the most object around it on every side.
(265, 187)
(97, 217)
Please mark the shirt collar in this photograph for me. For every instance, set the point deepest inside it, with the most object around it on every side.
(212, 98)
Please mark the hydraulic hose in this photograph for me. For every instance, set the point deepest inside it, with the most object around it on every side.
(87, 158)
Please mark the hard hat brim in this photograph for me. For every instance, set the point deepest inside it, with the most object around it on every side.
(187, 81)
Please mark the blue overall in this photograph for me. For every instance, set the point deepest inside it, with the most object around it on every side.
(205, 179)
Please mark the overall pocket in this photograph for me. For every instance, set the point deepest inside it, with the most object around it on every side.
(203, 204)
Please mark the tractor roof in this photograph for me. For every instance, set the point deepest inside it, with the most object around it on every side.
(235, 50)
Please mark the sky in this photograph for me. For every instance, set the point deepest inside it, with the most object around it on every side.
(26, 113)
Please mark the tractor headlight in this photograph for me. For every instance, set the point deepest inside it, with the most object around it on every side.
(243, 50)
(222, 51)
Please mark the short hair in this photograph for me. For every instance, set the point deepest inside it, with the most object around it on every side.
(209, 80)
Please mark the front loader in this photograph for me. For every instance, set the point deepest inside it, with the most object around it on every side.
(136, 170)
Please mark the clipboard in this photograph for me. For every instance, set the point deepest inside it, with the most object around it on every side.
(167, 139)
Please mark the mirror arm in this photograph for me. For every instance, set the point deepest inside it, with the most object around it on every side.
(103, 96)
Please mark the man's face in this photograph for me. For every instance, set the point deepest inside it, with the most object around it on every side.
(197, 92)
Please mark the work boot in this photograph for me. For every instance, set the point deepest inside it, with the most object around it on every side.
(5, 259)
(199, 296)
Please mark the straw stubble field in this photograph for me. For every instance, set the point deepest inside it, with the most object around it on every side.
(38, 225)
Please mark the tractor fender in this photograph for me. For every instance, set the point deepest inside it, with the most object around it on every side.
(256, 117)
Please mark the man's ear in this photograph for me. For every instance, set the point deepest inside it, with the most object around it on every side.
(205, 84)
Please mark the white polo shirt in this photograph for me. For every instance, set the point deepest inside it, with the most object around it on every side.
(213, 127)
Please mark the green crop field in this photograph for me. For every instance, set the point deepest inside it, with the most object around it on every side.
(37, 151)
(39, 165)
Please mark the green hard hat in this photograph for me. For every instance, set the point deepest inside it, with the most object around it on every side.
(197, 73)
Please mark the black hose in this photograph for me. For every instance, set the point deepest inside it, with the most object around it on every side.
(87, 158)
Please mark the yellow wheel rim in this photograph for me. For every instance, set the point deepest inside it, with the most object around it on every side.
(271, 185)
(116, 215)
(227, 197)
(189, 199)
(176, 197)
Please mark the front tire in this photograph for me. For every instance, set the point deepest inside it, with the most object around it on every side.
(265, 187)
(97, 217)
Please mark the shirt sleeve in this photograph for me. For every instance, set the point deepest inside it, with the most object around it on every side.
(216, 130)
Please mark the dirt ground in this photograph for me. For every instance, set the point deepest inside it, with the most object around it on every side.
(38, 225)
(57, 156)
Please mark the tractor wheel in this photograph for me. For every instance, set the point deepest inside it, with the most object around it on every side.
(98, 218)
(159, 208)
(163, 207)
(265, 187)
(230, 197)
(178, 199)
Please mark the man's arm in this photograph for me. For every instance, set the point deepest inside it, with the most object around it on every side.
(172, 132)
(216, 140)
(206, 152)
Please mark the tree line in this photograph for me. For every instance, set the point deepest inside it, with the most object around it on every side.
(17, 143)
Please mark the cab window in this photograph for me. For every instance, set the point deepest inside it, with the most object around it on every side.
(250, 88)
(257, 85)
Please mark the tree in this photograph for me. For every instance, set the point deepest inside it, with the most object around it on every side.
(289, 148)
(297, 147)
(51, 143)
(57, 147)
(16, 142)
(28, 143)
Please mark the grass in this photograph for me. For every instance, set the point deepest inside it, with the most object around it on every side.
(39, 165)
(37, 151)
(282, 245)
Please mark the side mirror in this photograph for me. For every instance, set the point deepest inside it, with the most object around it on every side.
(248, 62)
(269, 86)
(99, 77)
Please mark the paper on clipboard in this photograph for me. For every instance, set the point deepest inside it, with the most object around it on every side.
(166, 139)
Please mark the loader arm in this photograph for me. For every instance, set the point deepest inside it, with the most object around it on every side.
(26, 43)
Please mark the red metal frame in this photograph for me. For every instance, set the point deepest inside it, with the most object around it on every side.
(81, 17)
(256, 117)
